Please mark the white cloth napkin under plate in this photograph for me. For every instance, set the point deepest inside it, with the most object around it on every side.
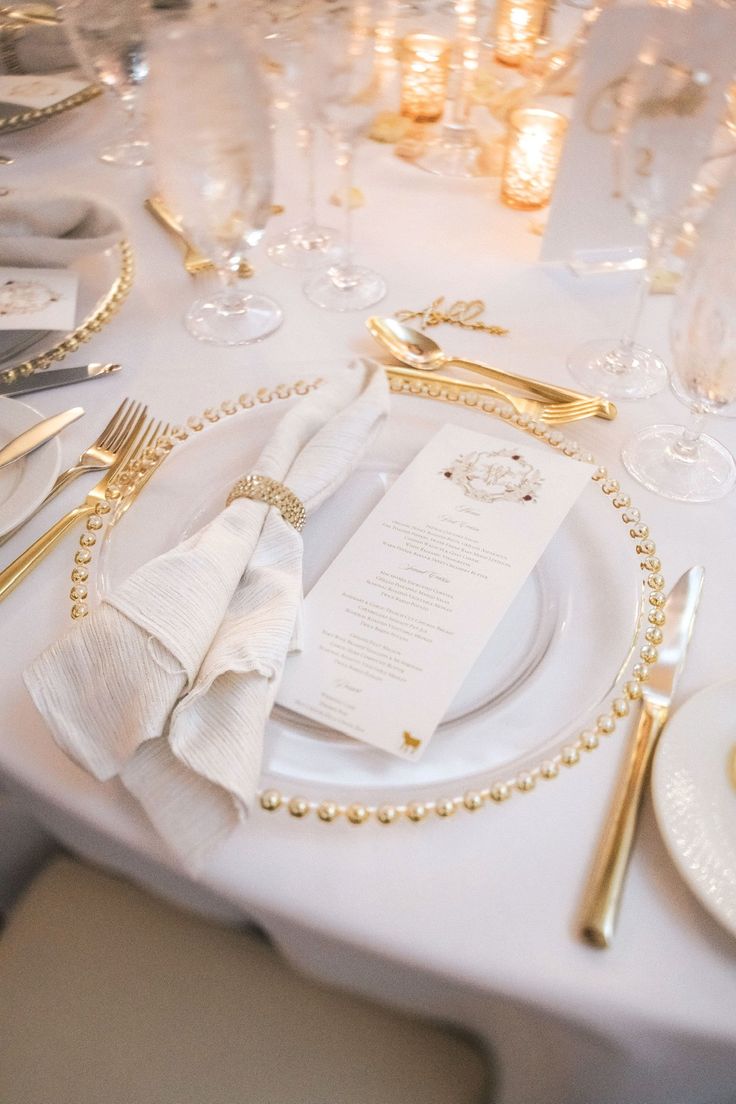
(170, 682)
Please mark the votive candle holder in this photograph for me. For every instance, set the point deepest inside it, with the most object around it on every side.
(518, 27)
(533, 148)
(425, 66)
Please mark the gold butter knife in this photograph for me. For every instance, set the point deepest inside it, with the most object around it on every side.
(603, 894)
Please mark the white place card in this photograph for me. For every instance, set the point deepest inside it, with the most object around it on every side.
(396, 622)
(38, 299)
(39, 90)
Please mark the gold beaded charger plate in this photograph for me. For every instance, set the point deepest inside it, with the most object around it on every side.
(105, 278)
(555, 679)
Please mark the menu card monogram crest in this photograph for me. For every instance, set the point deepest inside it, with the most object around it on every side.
(503, 474)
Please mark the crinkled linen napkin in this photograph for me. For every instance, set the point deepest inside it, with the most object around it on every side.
(170, 682)
(51, 230)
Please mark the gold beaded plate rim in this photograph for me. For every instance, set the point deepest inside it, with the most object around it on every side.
(498, 786)
(106, 291)
(31, 116)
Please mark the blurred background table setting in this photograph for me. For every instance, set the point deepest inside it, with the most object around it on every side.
(251, 206)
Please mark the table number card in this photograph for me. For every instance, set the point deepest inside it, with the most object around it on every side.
(398, 619)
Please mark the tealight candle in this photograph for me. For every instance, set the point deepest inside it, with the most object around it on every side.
(425, 62)
(518, 26)
(533, 148)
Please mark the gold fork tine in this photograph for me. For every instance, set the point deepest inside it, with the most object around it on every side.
(116, 429)
(23, 565)
(159, 430)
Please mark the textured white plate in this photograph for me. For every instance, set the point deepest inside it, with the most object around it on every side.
(694, 800)
(26, 482)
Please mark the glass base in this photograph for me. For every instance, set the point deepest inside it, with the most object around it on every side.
(345, 288)
(610, 368)
(660, 460)
(456, 152)
(233, 319)
(304, 246)
(127, 155)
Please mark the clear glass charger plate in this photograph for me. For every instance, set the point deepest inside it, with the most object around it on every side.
(105, 279)
(14, 116)
(564, 647)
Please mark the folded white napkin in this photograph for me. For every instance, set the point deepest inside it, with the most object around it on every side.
(170, 683)
(47, 230)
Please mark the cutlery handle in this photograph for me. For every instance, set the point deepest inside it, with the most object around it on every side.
(606, 882)
(16, 572)
(548, 391)
(167, 220)
(460, 385)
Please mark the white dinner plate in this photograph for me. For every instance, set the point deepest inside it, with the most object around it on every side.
(558, 654)
(694, 799)
(26, 482)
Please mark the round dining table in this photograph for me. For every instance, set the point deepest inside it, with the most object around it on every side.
(471, 919)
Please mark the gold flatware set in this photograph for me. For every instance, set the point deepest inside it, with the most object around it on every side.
(125, 439)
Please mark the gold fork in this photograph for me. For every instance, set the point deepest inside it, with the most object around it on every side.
(194, 261)
(100, 454)
(554, 413)
(136, 441)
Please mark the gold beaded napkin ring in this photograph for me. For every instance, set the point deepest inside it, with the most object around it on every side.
(264, 489)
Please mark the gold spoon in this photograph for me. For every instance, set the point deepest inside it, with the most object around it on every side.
(417, 350)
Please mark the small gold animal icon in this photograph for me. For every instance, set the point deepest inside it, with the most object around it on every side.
(410, 743)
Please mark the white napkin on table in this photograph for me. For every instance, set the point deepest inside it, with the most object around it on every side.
(170, 683)
(48, 230)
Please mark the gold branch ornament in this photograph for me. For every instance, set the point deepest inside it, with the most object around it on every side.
(464, 313)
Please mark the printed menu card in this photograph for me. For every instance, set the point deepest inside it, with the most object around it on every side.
(397, 620)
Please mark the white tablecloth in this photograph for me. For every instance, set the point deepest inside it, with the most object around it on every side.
(471, 919)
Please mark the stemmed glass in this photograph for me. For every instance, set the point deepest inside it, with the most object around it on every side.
(665, 122)
(214, 160)
(282, 28)
(344, 84)
(107, 37)
(682, 462)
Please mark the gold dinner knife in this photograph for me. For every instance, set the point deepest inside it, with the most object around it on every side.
(605, 885)
(31, 439)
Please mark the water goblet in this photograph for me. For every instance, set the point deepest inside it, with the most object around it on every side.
(666, 114)
(345, 86)
(214, 160)
(108, 38)
(682, 462)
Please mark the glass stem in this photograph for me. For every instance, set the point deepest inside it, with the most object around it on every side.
(654, 247)
(132, 118)
(687, 447)
(345, 163)
(231, 301)
(307, 145)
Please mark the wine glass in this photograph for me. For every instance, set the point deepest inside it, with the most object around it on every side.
(107, 37)
(281, 29)
(666, 116)
(214, 160)
(344, 86)
(681, 462)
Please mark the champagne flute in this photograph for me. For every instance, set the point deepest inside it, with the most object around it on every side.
(345, 86)
(282, 27)
(667, 114)
(214, 159)
(107, 37)
(682, 462)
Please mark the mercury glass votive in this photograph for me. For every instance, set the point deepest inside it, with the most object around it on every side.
(518, 26)
(533, 148)
(425, 66)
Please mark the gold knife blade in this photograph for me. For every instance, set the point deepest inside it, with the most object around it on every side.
(39, 434)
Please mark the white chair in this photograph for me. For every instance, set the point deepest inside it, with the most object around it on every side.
(110, 996)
